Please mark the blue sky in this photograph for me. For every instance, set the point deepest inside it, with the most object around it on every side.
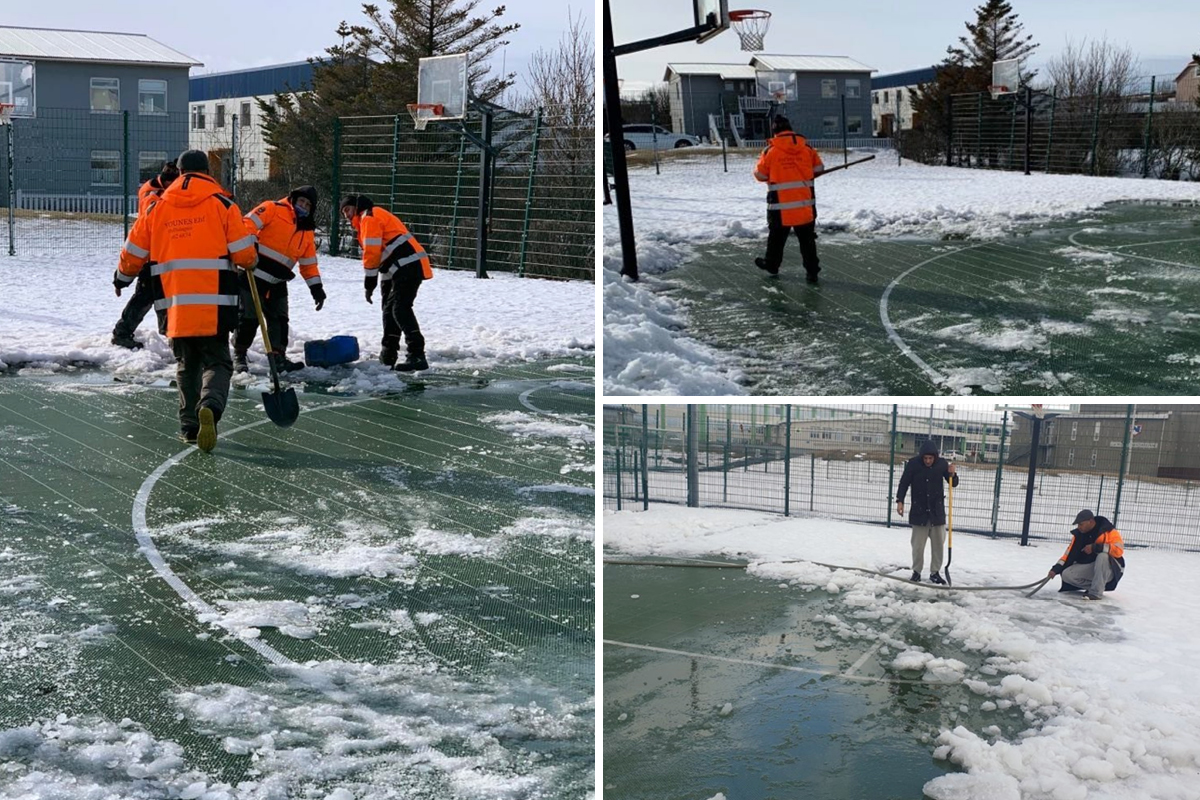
(896, 36)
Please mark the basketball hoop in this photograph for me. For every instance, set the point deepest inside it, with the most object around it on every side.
(751, 27)
(1038, 410)
(424, 113)
(6, 113)
(997, 91)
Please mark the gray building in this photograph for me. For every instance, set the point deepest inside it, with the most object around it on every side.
(824, 97)
(95, 113)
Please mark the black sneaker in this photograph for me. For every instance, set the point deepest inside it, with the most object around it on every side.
(811, 275)
(239, 361)
(937, 578)
(128, 342)
(761, 263)
(282, 364)
(916, 578)
(388, 356)
(412, 364)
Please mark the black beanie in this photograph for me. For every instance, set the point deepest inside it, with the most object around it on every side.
(348, 200)
(193, 161)
(780, 125)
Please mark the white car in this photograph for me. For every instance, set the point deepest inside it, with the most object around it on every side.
(648, 137)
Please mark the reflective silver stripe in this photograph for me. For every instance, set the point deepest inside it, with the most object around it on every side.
(316, 280)
(417, 256)
(267, 277)
(123, 278)
(242, 243)
(371, 273)
(775, 187)
(132, 248)
(786, 206)
(190, 263)
(761, 177)
(304, 262)
(374, 241)
(263, 250)
(258, 223)
(394, 243)
(196, 300)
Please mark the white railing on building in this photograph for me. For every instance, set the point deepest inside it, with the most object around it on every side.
(75, 203)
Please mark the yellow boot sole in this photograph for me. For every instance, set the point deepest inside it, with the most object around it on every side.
(206, 439)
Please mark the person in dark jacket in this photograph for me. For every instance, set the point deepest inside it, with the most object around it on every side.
(925, 473)
(1081, 567)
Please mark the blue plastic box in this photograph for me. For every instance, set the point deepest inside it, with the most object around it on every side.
(327, 352)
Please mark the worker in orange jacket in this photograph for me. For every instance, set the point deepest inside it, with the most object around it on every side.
(142, 299)
(194, 238)
(1094, 560)
(392, 255)
(284, 231)
(789, 166)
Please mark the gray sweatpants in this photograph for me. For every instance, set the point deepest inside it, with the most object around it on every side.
(921, 533)
(1092, 577)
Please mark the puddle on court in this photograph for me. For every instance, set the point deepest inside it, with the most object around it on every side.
(785, 733)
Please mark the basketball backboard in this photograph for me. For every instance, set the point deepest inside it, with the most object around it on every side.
(714, 14)
(442, 80)
(778, 87)
(1006, 76)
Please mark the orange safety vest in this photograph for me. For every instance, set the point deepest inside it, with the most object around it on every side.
(788, 166)
(1108, 542)
(387, 245)
(280, 246)
(194, 235)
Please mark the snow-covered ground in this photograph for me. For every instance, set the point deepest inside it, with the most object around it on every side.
(646, 346)
(1107, 690)
(57, 308)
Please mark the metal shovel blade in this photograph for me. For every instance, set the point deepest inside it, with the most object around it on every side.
(283, 408)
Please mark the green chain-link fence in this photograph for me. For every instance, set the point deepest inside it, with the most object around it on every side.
(1140, 466)
(541, 218)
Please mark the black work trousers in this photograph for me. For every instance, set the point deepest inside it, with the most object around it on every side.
(140, 303)
(202, 371)
(777, 235)
(274, 299)
(399, 293)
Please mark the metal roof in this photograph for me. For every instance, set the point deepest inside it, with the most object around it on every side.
(732, 72)
(785, 63)
(54, 44)
(910, 77)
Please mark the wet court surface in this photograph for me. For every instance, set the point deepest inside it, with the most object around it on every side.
(394, 596)
(1100, 304)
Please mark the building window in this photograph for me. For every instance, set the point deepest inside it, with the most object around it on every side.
(1096, 433)
(1071, 458)
(245, 120)
(1074, 429)
(198, 118)
(1093, 458)
(829, 87)
(106, 95)
(854, 126)
(219, 122)
(106, 168)
(885, 97)
(150, 164)
(152, 97)
(875, 98)
(853, 87)
(729, 86)
(829, 126)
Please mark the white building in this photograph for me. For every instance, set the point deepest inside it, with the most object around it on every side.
(890, 99)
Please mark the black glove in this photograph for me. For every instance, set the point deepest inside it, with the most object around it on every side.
(118, 284)
(318, 294)
(369, 283)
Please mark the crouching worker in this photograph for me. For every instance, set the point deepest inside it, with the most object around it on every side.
(393, 256)
(1095, 559)
(284, 230)
(195, 237)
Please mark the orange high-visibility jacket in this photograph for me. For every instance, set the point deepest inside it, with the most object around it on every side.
(1108, 541)
(280, 246)
(150, 191)
(788, 165)
(387, 244)
(194, 235)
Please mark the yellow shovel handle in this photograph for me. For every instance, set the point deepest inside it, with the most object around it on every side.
(262, 322)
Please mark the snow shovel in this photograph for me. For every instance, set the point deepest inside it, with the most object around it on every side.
(950, 533)
(282, 407)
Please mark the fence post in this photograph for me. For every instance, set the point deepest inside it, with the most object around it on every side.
(812, 479)
(950, 131)
(725, 472)
(537, 129)
(979, 131)
(462, 144)
(654, 138)
(395, 158)
(692, 458)
(999, 471)
(1125, 448)
(334, 233)
(485, 190)
(1050, 132)
(125, 170)
(618, 473)
(1100, 495)
(845, 133)
(1149, 127)
(787, 460)
(645, 463)
(892, 465)
(1096, 127)
(724, 154)
(10, 135)
(233, 153)
(1028, 125)
(1035, 445)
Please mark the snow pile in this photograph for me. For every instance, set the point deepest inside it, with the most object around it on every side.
(245, 618)
(1102, 693)
(54, 324)
(526, 426)
(646, 347)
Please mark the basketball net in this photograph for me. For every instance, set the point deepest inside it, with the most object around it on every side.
(751, 27)
(1038, 410)
(424, 113)
(6, 112)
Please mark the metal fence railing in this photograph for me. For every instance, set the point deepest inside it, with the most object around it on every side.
(1140, 466)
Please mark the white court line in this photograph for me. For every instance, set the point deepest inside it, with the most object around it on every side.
(872, 651)
(1150, 244)
(150, 550)
(769, 665)
(525, 401)
(1071, 239)
(938, 378)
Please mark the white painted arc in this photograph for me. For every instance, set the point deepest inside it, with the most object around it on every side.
(1095, 249)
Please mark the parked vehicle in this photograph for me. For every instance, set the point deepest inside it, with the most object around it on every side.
(649, 137)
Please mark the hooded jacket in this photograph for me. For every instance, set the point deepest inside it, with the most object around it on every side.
(386, 243)
(282, 243)
(1105, 539)
(150, 191)
(928, 505)
(194, 235)
(788, 166)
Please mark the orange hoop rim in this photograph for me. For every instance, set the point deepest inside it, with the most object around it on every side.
(6, 112)
(748, 13)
